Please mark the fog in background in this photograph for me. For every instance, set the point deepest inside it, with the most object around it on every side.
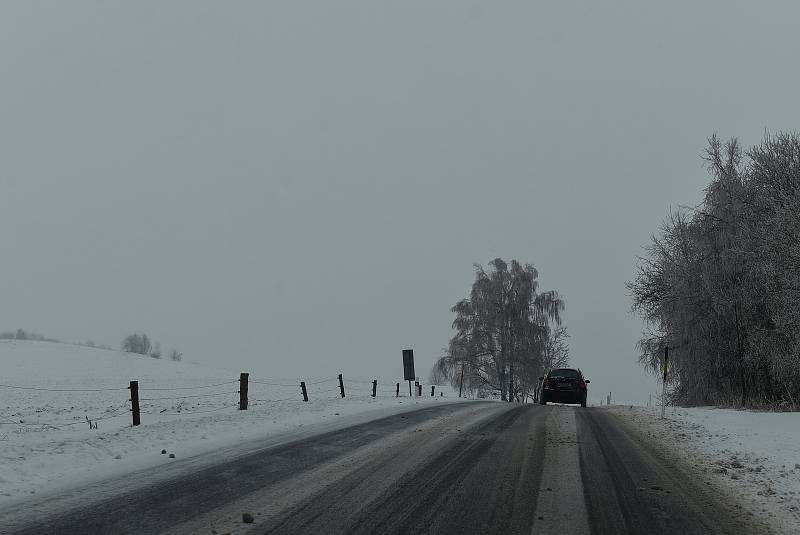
(301, 188)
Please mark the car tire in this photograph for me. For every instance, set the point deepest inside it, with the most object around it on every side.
(583, 402)
(542, 401)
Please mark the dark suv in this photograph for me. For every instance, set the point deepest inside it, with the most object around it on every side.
(563, 385)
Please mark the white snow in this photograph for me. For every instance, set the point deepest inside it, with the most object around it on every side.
(754, 455)
(46, 445)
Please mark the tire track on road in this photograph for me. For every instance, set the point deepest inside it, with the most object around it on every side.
(460, 489)
(630, 489)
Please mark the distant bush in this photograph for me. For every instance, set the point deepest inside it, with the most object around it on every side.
(137, 343)
(141, 344)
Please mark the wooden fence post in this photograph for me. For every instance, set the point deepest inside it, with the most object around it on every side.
(419, 390)
(397, 394)
(341, 385)
(374, 387)
(243, 377)
(303, 388)
(134, 388)
(432, 387)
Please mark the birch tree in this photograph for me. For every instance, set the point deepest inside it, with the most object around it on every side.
(502, 331)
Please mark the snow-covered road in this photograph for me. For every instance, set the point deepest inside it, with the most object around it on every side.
(482, 467)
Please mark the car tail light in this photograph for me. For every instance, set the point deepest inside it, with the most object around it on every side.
(583, 385)
(547, 382)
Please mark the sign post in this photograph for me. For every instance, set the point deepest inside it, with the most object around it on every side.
(664, 383)
(461, 381)
(408, 368)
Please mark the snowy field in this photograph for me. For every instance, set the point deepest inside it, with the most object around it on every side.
(48, 390)
(753, 455)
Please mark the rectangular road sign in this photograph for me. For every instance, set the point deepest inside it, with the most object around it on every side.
(408, 365)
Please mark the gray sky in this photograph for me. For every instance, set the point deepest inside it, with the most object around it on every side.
(298, 188)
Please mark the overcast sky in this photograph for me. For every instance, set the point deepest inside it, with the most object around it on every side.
(301, 188)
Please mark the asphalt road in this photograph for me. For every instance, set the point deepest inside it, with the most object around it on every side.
(449, 469)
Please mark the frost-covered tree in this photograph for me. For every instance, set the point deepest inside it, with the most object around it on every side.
(502, 331)
(719, 283)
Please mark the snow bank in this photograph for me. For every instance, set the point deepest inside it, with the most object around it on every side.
(753, 455)
(48, 390)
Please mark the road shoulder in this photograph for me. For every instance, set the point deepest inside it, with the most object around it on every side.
(672, 441)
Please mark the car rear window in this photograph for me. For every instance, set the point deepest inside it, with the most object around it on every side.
(564, 374)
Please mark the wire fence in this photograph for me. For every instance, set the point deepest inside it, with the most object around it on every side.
(163, 400)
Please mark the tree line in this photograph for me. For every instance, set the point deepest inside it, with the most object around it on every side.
(22, 334)
(508, 333)
(720, 283)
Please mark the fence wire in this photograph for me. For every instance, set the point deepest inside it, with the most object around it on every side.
(321, 381)
(191, 396)
(146, 389)
(41, 389)
(317, 389)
